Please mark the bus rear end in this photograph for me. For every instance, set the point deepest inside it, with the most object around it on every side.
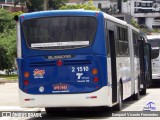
(62, 63)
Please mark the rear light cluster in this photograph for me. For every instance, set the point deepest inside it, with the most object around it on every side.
(26, 75)
(26, 82)
(95, 72)
(95, 79)
(59, 63)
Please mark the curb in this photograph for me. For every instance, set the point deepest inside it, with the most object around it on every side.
(3, 81)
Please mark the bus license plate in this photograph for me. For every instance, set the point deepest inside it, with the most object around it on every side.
(60, 87)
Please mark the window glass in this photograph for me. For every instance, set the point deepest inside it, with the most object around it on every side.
(60, 32)
(154, 42)
(122, 36)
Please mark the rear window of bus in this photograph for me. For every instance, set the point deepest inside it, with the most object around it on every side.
(154, 42)
(59, 33)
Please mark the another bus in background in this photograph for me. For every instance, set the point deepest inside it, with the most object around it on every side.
(154, 40)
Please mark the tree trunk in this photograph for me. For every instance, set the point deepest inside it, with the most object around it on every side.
(45, 5)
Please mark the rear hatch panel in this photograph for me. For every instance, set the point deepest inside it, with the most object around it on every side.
(48, 77)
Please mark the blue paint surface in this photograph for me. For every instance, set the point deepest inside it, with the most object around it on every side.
(93, 56)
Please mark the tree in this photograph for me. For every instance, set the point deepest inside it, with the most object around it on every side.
(4, 61)
(7, 38)
(56, 4)
(6, 21)
(87, 6)
(38, 5)
(53, 4)
(32, 5)
(135, 24)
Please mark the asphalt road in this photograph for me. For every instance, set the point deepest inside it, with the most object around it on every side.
(9, 102)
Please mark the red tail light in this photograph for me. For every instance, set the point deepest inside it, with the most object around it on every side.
(96, 14)
(26, 82)
(93, 97)
(26, 99)
(95, 79)
(59, 63)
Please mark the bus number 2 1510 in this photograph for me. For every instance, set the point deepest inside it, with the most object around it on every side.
(80, 69)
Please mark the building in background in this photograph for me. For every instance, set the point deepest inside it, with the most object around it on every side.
(104, 5)
(145, 12)
(9, 5)
(112, 7)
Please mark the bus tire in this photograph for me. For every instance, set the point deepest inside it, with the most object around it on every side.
(51, 110)
(137, 95)
(144, 90)
(118, 107)
(149, 79)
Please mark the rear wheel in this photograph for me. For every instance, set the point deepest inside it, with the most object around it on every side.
(144, 90)
(118, 107)
(50, 110)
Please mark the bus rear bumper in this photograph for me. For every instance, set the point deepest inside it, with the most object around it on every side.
(100, 97)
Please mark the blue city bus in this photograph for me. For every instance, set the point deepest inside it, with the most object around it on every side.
(76, 58)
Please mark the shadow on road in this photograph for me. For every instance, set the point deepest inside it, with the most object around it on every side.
(95, 113)
(156, 84)
(92, 113)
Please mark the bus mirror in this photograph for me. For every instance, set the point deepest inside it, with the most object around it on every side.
(16, 18)
(154, 53)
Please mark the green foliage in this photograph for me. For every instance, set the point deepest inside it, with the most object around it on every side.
(6, 21)
(38, 5)
(32, 5)
(9, 77)
(135, 24)
(4, 61)
(22, 1)
(87, 6)
(56, 4)
(7, 38)
(16, 13)
(156, 30)
(142, 27)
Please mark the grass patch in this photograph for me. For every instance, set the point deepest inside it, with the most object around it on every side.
(9, 77)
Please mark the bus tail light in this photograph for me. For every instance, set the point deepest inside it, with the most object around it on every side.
(95, 79)
(93, 97)
(96, 14)
(26, 99)
(59, 63)
(26, 82)
(26, 74)
(94, 71)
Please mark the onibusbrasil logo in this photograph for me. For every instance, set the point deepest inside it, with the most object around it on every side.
(150, 107)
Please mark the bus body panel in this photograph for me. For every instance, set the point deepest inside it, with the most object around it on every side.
(124, 74)
(97, 98)
(64, 78)
(73, 76)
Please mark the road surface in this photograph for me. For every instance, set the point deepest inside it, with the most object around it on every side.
(9, 102)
